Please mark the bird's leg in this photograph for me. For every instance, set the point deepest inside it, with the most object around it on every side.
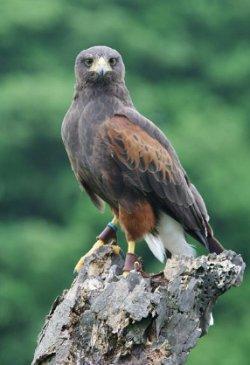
(108, 234)
(131, 261)
(113, 226)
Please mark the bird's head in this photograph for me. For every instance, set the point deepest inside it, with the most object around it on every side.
(99, 65)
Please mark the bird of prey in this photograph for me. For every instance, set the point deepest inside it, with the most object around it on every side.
(122, 158)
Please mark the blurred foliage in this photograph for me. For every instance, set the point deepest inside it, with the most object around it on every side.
(188, 70)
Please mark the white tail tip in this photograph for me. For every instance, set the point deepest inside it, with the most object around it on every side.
(156, 246)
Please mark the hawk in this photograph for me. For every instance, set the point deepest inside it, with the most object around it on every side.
(120, 157)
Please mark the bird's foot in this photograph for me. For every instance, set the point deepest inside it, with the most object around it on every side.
(80, 263)
(115, 248)
(132, 262)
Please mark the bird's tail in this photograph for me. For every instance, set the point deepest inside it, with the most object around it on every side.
(156, 246)
(214, 245)
(170, 237)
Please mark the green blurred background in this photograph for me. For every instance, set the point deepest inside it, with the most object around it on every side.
(188, 69)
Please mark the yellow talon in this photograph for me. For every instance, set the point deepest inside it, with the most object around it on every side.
(116, 249)
(125, 273)
(80, 263)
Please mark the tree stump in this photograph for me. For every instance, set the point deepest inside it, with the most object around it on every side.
(105, 318)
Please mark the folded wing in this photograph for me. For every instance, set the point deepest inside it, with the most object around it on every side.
(154, 169)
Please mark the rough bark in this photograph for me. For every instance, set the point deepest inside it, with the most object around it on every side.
(105, 318)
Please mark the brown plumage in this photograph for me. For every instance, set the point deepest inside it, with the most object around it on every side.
(136, 149)
(122, 158)
(138, 222)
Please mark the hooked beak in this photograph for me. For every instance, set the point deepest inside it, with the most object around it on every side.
(101, 66)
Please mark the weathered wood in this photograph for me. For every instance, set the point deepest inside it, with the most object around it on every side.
(105, 318)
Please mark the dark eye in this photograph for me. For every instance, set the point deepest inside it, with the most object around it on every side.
(113, 61)
(88, 62)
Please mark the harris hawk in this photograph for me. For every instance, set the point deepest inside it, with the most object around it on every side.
(122, 158)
